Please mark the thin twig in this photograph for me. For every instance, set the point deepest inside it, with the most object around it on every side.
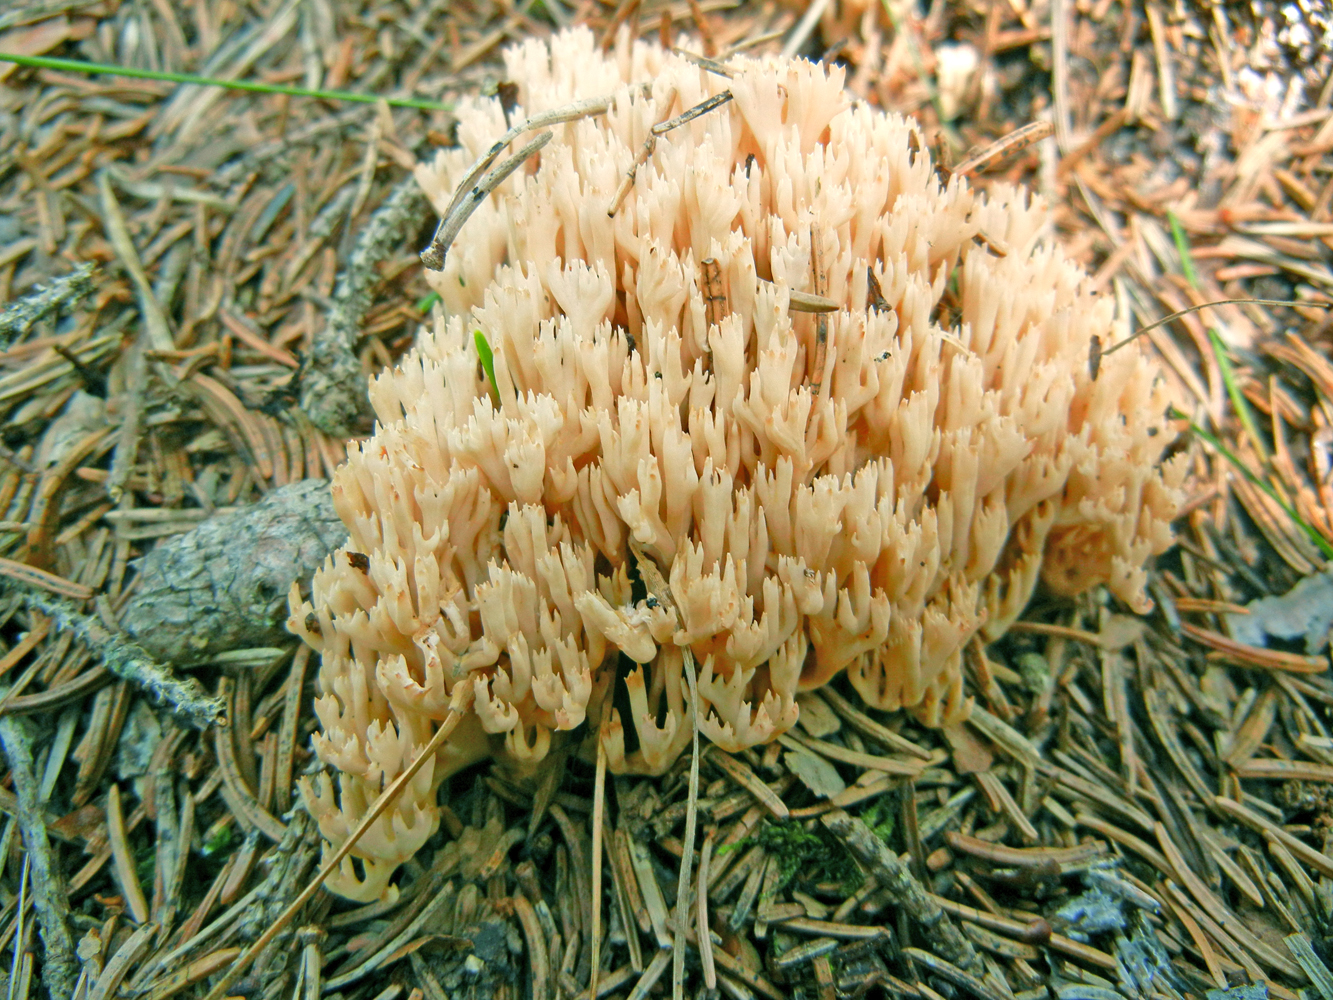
(703, 62)
(20, 930)
(155, 320)
(65, 292)
(1099, 354)
(125, 456)
(598, 812)
(689, 114)
(657, 586)
(705, 940)
(809, 302)
(804, 28)
(50, 896)
(691, 825)
(1006, 146)
(254, 86)
(1060, 74)
(40, 579)
(473, 188)
(902, 888)
(184, 696)
(821, 318)
(578, 110)
(645, 151)
(450, 226)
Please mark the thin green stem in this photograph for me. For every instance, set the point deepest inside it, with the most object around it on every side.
(1238, 401)
(81, 66)
(1320, 542)
(917, 62)
(1183, 248)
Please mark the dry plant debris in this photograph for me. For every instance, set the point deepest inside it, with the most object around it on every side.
(1140, 808)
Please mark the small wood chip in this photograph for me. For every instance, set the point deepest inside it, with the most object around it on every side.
(740, 773)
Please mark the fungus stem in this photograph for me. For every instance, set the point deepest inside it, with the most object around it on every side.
(459, 703)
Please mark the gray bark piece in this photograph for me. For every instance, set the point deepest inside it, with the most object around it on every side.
(332, 384)
(903, 889)
(1305, 611)
(64, 292)
(223, 585)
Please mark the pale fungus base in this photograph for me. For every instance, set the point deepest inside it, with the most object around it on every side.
(863, 491)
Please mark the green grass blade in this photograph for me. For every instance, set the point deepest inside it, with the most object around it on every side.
(487, 361)
(1238, 401)
(918, 63)
(427, 302)
(1183, 248)
(81, 66)
(1319, 541)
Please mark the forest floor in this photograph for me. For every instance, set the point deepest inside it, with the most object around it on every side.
(1139, 806)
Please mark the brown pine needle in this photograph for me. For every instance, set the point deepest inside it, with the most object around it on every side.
(1014, 142)
(658, 587)
(598, 813)
(704, 939)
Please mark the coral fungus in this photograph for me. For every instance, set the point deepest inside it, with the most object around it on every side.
(860, 490)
